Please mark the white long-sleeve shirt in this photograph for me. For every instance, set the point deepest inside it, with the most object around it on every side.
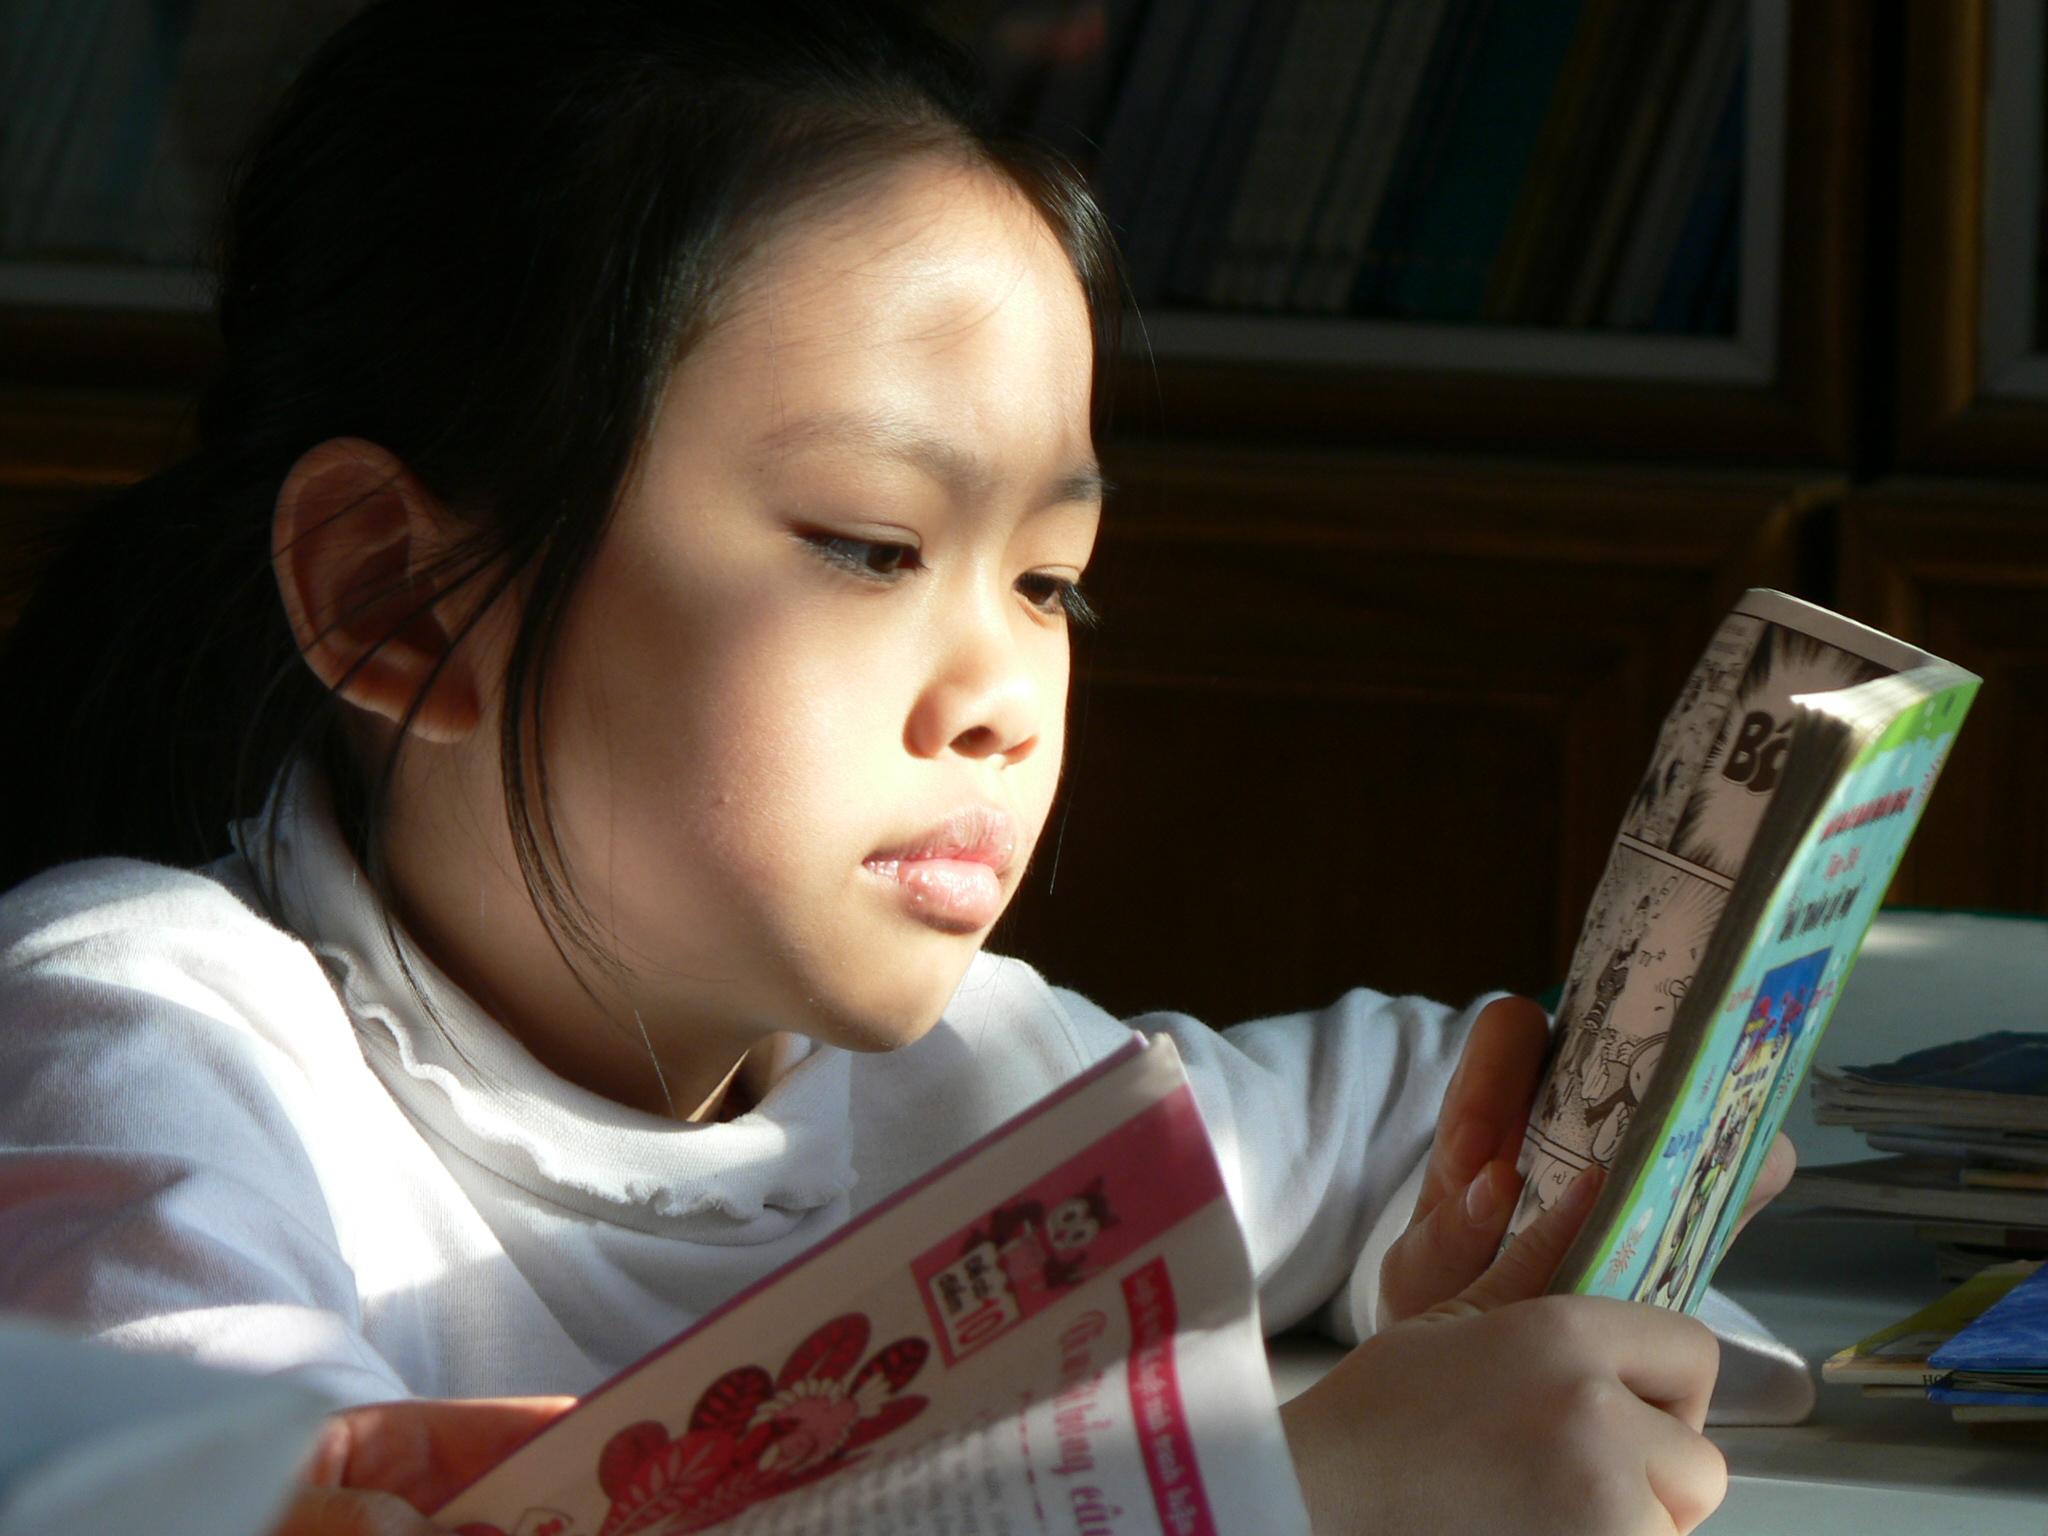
(253, 1143)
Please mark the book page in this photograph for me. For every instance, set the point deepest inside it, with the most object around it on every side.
(1055, 1332)
(1712, 775)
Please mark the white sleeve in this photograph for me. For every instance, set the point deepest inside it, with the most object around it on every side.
(154, 1191)
(1322, 1122)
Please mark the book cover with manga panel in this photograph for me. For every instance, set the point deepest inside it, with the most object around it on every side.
(1675, 1207)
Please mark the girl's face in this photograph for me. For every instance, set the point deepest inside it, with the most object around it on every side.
(807, 720)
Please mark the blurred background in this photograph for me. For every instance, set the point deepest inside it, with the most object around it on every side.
(1485, 351)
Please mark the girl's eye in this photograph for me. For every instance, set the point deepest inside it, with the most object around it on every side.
(865, 557)
(1058, 594)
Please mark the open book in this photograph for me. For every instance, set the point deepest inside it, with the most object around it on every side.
(1782, 792)
(1054, 1331)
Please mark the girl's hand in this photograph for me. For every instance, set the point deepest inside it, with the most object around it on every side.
(1470, 1187)
(1505, 1410)
(374, 1469)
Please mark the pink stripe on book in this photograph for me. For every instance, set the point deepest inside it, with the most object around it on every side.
(1156, 1406)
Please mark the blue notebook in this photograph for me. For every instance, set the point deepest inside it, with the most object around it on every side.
(2002, 1357)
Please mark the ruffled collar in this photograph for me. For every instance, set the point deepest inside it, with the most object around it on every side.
(466, 1081)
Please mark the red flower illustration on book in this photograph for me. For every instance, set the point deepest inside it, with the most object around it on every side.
(750, 1438)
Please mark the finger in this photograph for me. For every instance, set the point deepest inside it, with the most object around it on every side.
(1525, 1266)
(428, 1451)
(350, 1512)
(1486, 1105)
(1456, 1156)
(1687, 1473)
(1450, 1248)
(1777, 1170)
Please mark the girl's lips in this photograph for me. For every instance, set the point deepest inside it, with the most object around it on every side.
(976, 834)
(951, 895)
(951, 875)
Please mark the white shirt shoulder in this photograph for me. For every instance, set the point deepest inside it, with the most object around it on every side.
(182, 1087)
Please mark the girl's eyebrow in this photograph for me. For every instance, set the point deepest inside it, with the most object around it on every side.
(960, 469)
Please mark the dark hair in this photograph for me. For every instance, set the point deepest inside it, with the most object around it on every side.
(479, 233)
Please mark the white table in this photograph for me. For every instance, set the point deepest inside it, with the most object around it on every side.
(1877, 1465)
(1868, 1466)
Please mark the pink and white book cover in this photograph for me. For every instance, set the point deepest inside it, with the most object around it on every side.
(1055, 1331)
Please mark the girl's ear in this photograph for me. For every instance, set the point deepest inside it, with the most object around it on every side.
(351, 543)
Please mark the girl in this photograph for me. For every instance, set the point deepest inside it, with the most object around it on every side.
(642, 512)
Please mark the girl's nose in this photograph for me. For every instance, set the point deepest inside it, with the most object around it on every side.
(985, 701)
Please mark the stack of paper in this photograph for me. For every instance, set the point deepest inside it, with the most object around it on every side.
(1967, 1126)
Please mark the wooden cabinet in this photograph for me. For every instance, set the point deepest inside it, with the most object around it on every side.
(1353, 718)
(1962, 567)
(1973, 245)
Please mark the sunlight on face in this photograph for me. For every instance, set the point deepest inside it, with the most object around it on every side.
(811, 695)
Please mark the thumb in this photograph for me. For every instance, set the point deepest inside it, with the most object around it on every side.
(426, 1450)
(1446, 1250)
(1523, 1269)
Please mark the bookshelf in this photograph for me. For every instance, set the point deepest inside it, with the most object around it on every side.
(1973, 296)
(2012, 325)
(1743, 351)
(1773, 379)
(1395, 603)
(1529, 368)
(109, 287)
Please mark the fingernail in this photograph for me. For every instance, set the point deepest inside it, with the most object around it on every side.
(1483, 1197)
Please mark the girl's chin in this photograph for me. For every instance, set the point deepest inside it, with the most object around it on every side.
(891, 1017)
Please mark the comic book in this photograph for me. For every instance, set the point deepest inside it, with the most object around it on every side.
(1780, 796)
(1056, 1330)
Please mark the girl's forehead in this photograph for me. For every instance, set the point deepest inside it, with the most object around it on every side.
(939, 294)
(898, 255)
